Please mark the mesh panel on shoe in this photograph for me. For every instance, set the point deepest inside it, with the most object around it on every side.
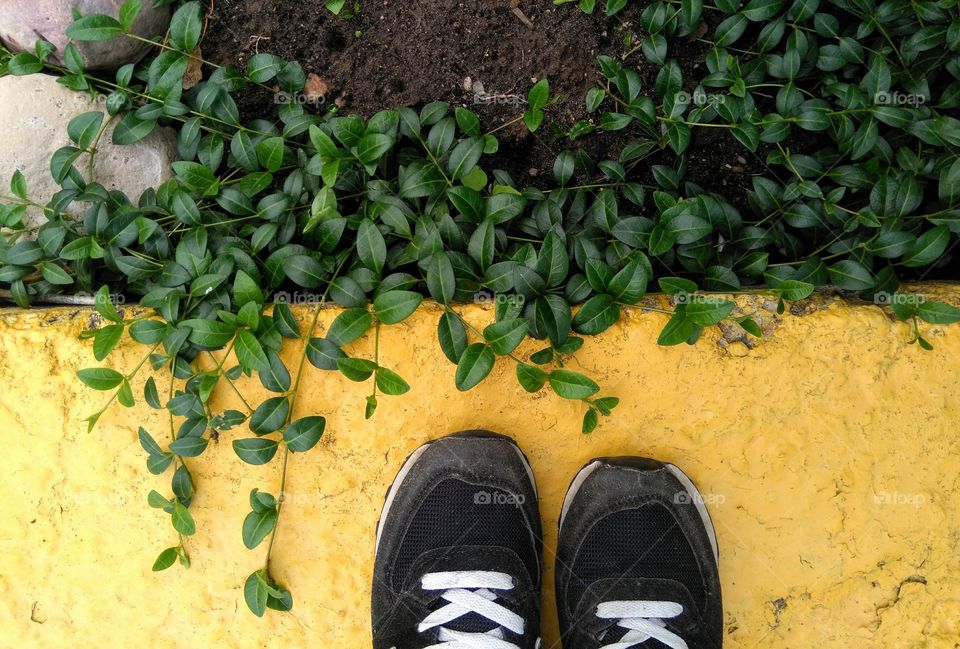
(456, 513)
(645, 542)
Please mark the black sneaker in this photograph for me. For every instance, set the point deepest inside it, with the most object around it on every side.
(459, 549)
(637, 560)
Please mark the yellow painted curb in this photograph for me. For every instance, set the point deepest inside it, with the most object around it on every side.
(828, 454)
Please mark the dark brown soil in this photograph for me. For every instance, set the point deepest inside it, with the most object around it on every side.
(399, 53)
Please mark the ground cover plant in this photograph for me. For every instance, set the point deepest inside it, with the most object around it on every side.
(845, 109)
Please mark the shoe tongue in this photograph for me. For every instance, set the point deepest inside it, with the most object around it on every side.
(470, 558)
(650, 590)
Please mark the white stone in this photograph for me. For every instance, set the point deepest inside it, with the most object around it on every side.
(22, 22)
(34, 113)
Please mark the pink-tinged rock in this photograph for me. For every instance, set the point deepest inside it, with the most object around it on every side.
(23, 22)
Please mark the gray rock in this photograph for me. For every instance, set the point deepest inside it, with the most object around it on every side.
(34, 113)
(23, 22)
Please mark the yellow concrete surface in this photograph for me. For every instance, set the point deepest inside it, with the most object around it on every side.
(828, 454)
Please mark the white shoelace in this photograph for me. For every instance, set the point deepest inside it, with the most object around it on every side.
(643, 620)
(471, 592)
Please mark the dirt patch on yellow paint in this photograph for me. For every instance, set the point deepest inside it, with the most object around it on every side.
(828, 454)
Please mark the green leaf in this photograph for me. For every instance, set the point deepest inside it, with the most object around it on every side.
(590, 421)
(185, 208)
(356, 369)
(539, 95)
(285, 321)
(182, 520)
(125, 395)
(396, 306)
(275, 376)
(928, 247)
(371, 247)
(151, 395)
(531, 378)
(263, 67)
(24, 64)
(938, 312)
(452, 336)
(792, 290)
(95, 27)
(83, 128)
(128, 13)
(132, 129)
(615, 6)
(209, 334)
(728, 31)
(249, 352)
(630, 282)
(502, 208)
(708, 311)
(157, 464)
(270, 415)
(148, 443)
(373, 146)
(55, 274)
(750, 326)
(553, 263)
(851, 276)
(606, 405)
(389, 382)
(349, 325)
(100, 378)
(678, 329)
(504, 336)
(762, 9)
(324, 354)
(245, 289)
(270, 153)
(61, 163)
(420, 180)
(441, 281)
(186, 26)
(106, 340)
(552, 316)
(305, 271)
(598, 314)
(189, 446)
(614, 121)
(572, 385)
(564, 165)
(346, 292)
(166, 559)
(303, 434)
(533, 118)
(465, 156)
(687, 228)
(475, 364)
(255, 593)
(257, 526)
(255, 450)
(482, 244)
(676, 285)
(18, 185)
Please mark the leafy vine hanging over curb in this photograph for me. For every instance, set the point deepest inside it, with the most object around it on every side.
(374, 215)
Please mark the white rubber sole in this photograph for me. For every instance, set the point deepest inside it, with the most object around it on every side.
(687, 483)
(405, 471)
